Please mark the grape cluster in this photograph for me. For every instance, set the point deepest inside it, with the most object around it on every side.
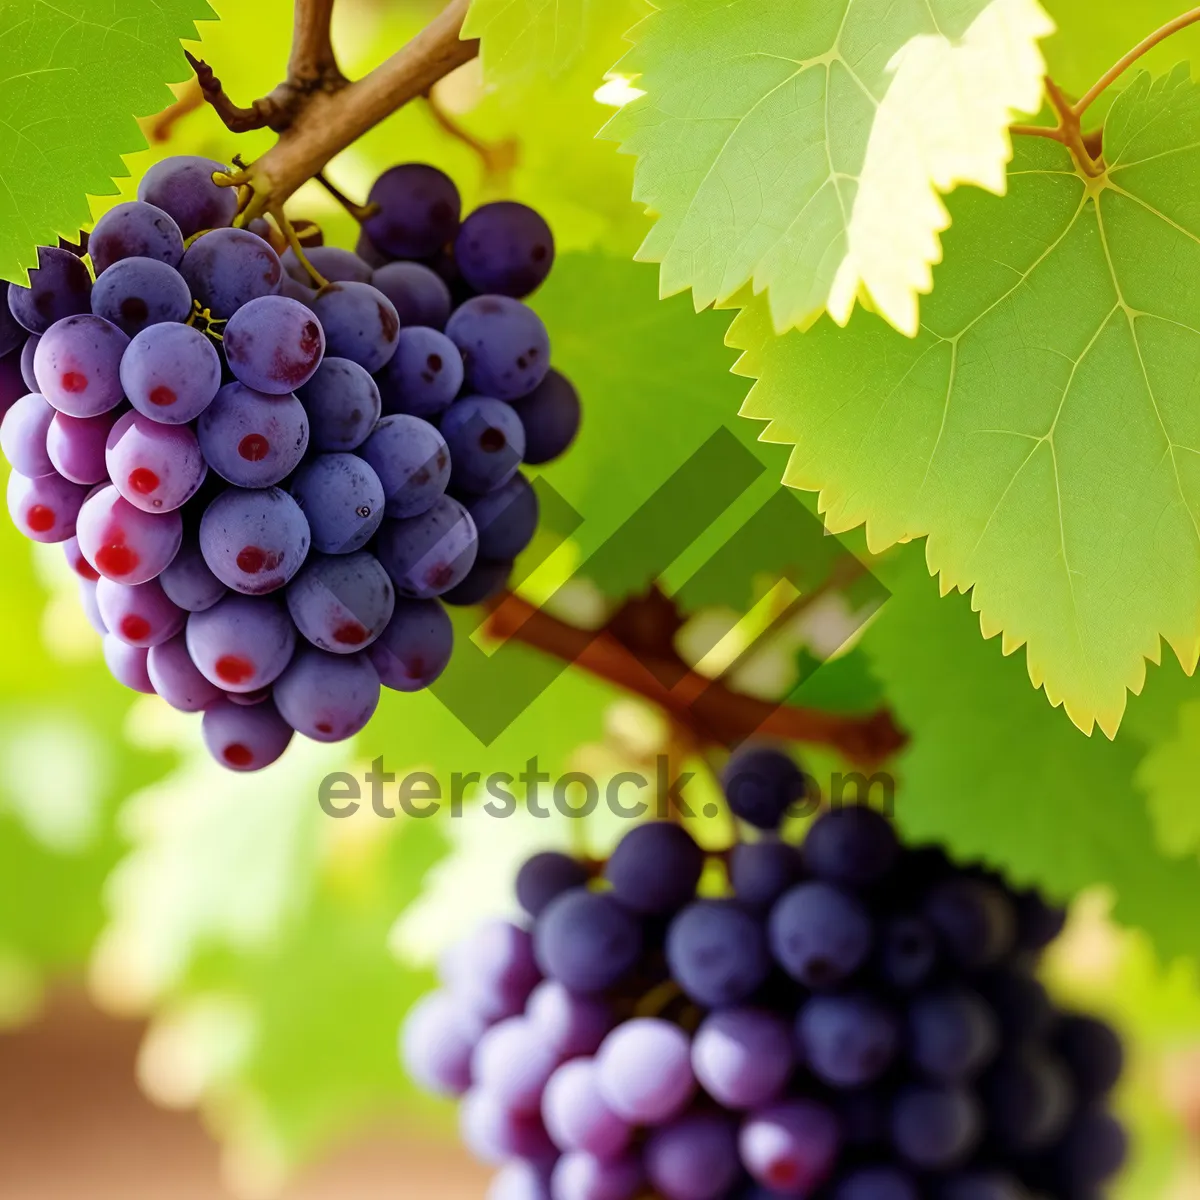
(270, 477)
(845, 1019)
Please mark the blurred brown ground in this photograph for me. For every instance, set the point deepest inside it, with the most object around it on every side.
(74, 1126)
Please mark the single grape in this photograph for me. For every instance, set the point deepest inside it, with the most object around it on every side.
(359, 323)
(546, 876)
(763, 785)
(171, 373)
(907, 952)
(936, 1128)
(47, 508)
(414, 647)
(59, 286)
(486, 442)
(273, 344)
(23, 434)
(494, 971)
(854, 845)
(505, 248)
(251, 439)
(819, 934)
(412, 461)
(645, 1070)
(183, 186)
(717, 953)
(77, 445)
(847, 1041)
(573, 1025)
(495, 1134)
(655, 868)
(429, 554)
(334, 263)
(127, 664)
(520, 1180)
(576, 1115)
(141, 614)
(506, 518)
(343, 500)
(587, 941)
(973, 919)
(743, 1057)
(135, 229)
(125, 543)
(244, 739)
(87, 598)
(424, 375)
(343, 405)
(136, 293)
(761, 872)
(420, 296)
(952, 1034)
(485, 579)
(328, 697)
(176, 678)
(341, 604)
(254, 541)
(1093, 1053)
(78, 563)
(1038, 922)
(790, 1147)
(1029, 1100)
(514, 1063)
(1093, 1150)
(504, 345)
(189, 582)
(581, 1176)
(157, 468)
(78, 365)
(28, 378)
(419, 210)
(228, 268)
(436, 1045)
(12, 333)
(241, 643)
(877, 1183)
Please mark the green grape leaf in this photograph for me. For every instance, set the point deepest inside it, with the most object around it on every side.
(989, 774)
(1042, 429)
(75, 75)
(806, 151)
(1168, 777)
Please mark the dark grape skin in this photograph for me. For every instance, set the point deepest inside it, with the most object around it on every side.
(59, 286)
(848, 1041)
(717, 953)
(854, 845)
(908, 952)
(655, 868)
(974, 920)
(935, 1128)
(1092, 1151)
(419, 210)
(989, 1185)
(551, 414)
(487, 578)
(588, 941)
(1021, 1004)
(1038, 921)
(1029, 1101)
(819, 934)
(952, 1034)
(546, 876)
(762, 784)
(760, 872)
(504, 248)
(1093, 1053)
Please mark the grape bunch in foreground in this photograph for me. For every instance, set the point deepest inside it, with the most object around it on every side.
(846, 1019)
(270, 480)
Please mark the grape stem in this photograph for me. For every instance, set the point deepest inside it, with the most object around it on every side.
(497, 158)
(714, 714)
(360, 212)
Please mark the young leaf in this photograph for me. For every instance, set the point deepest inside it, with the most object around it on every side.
(1042, 429)
(805, 149)
(74, 75)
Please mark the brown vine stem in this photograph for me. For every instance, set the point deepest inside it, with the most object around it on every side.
(312, 60)
(163, 125)
(498, 158)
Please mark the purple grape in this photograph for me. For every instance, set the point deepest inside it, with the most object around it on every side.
(189, 581)
(573, 1025)
(504, 248)
(580, 1176)
(935, 1128)
(125, 543)
(877, 1183)
(59, 286)
(1029, 1101)
(495, 1134)
(761, 872)
(655, 868)
(415, 646)
(13, 334)
(135, 230)
(587, 941)
(419, 210)
(343, 405)
(790, 1147)
(429, 554)
(504, 345)
(78, 365)
(973, 919)
(327, 697)
(77, 446)
(952, 1034)
(297, 291)
(412, 461)
(136, 293)
(436, 1045)
(23, 434)
(645, 1069)
(157, 468)
(855, 846)
(27, 352)
(342, 498)
(908, 952)
(359, 323)
(1092, 1051)
(47, 508)
(1093, 1150)
(485, 579)
(341, 604)
(1020, 1005)
(486, 443)
(847, 1041)
(546, 876)
(506, 518)
(87, 598)
(369, 252)
(78, 563)
(171, 373)
(420, 296)
(176, 678)
(424, 375)
(717, 953)
(494, 971)
(334, 263)
(990, 1186)
(254, 541)
(743, 1057)
(228, 268)
(763, 785)
(694, 1158)
(242, 643)
(251, 439)
(244, 739)
(1038, 922)
(183, 186)
(520, 1180)
(273, 344)
(513, 1062)
(141, 614)
(819, 934)
(576, 1116)
(127, 664)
